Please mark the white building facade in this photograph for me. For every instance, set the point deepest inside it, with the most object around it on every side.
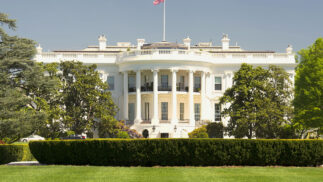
(166, 90)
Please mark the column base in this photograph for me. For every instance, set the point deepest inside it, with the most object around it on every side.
(138, 120)
(154, 121)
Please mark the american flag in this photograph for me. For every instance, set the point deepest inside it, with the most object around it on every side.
(156, 2)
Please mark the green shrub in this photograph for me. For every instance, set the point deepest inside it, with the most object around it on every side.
(215, 130)
(199, 133)
(179, 152)
(13, 153)
(122, 134)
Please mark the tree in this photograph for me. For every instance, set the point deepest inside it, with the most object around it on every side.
(199, 133)
(308, 100)
(20, 78)
(51, 102)
(258, 103)
(276, 112)
(85, 99)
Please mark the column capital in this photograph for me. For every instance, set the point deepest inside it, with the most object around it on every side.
(228, 73)
(174, 70)
(192, 70)
(155, 70)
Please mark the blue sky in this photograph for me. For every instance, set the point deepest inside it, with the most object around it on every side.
(254, 24)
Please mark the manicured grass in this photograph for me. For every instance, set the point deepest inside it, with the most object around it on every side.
(142, 174)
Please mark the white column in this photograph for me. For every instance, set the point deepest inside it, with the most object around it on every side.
(203, 108)
(155, 119)
(191, 98)
(174, 97)
(125, 96)
(228, 80)
(138, 96)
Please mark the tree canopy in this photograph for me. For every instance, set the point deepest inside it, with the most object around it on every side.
(308, 100)
(20, 79)
(258, 103)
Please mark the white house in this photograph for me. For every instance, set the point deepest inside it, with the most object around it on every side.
(167, 89)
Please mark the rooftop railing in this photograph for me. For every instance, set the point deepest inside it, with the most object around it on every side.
(50, 56)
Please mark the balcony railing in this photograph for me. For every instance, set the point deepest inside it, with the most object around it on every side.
(93, 57)
(148, 87)
(182, 89)
(132, 89)
(165, 88)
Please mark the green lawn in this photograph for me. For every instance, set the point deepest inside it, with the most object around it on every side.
(142, 174)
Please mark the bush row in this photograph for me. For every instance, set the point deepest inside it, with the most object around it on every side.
(13, 153)
(180, 152)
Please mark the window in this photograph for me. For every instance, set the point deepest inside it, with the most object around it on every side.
(110, 81)
(217, 83)
(217, 112)
(181, 111)
(164, 111)
(132, 83)
(146, 79)
(197, 83)
(181, 84)
(164, 81)
(147, 111)
(197, 112)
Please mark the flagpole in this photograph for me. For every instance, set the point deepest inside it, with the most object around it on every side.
(164, 32)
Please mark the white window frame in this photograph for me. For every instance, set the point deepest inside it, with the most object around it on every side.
(222, 83)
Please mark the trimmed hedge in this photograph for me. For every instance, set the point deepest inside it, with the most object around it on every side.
(179, 152)
(13, 153)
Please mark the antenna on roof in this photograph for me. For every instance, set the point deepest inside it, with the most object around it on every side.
(236, 43)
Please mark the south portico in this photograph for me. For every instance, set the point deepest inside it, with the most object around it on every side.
(167, 102)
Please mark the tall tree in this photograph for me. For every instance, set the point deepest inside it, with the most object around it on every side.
(20, 78)
(308, 100)
(258, 103)
(49, 100)
(85, 98)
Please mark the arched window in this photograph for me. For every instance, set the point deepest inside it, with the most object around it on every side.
(145, 133)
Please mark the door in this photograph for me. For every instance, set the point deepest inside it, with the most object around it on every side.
(147, 117)
(164, 109)
(131, 111)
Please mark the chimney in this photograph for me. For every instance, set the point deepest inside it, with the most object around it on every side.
(39, 49)
(140, 42)
(289, 49)
(102, 42)
(187, 42)
(225, 42)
